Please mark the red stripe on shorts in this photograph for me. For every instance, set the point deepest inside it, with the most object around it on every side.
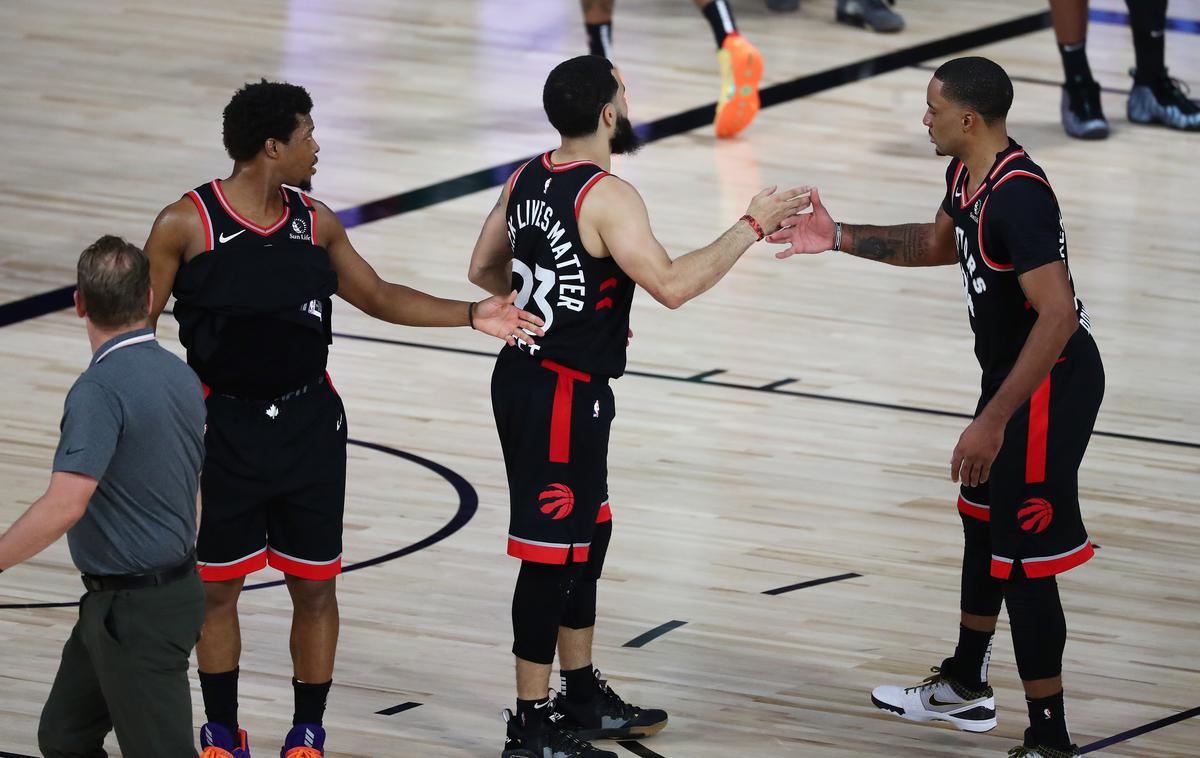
(1039, 422)
(560, 417)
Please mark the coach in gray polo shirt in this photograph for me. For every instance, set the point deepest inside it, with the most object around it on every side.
(124, 489)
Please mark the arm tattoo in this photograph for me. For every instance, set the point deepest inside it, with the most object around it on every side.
(900, 245)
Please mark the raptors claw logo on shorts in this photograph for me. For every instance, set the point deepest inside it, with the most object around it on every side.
(1040, 513)
(559, 500)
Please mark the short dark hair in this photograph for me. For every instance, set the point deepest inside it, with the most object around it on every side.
(261, 111)
(575, 93)
(113, 277)
(977, 83)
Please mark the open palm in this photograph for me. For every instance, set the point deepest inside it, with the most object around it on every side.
(807, 232)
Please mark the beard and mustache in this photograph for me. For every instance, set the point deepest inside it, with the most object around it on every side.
(624, 140)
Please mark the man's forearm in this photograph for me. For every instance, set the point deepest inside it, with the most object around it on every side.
(899, 245)
(403, 305)
(1042, 349)
(696, 272)
(495, 280)
(38, 528)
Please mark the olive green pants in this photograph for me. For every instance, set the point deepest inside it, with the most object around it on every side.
(125, 668)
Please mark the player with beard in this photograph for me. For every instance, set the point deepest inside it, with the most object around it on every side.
(253, 264)
(575, 241)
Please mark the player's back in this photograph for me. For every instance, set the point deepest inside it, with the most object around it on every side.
(583, 300)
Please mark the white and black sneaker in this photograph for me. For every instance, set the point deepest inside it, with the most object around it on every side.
(940, 698)
(1082, 114)
(546, 739)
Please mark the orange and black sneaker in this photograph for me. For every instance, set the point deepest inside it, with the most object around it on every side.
(218, 742)
(741, 71)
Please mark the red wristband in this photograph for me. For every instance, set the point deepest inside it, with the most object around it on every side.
(753, 225)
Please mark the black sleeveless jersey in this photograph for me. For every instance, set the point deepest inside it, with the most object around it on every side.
(584, 300)
(1009, 226)
(254, 310)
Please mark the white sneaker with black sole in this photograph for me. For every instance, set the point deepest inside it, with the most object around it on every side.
(940, 698)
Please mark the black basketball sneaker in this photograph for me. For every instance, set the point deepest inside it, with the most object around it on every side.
(607, 717)
(548, 738)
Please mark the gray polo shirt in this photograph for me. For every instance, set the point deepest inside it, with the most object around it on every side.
(134, 421)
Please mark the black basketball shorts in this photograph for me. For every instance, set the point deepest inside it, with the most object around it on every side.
(553, 423)
(273, 486)
(1031, 498)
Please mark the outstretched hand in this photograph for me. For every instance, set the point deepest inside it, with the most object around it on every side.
(769, 207)
(807, 232)
(498, 317)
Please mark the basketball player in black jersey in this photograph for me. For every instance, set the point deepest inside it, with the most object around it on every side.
(253, 264)
(1042, 384)
(575, 241)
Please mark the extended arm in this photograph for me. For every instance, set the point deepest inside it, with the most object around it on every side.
(621, 219)
(359, 285)
(899, 245)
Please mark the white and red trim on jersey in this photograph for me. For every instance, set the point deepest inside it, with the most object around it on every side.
(312, 214)
(584, 190)
(209, 237)
(265, 232)
(557, 167)
(512, 181)
(1015, 172)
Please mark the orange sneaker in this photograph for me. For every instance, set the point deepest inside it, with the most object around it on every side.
(217, 742)
(741, 71)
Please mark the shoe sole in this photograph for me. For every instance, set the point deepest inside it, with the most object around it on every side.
(633, 733)
(926, 716)
(744, 106)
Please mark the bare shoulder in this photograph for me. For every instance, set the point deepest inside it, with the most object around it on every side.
(180, 215)
(178, 230)
(615, 194)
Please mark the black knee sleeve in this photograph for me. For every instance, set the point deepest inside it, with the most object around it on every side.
(580, 611)
(981, 594)
(538, 602)
(1039, 628)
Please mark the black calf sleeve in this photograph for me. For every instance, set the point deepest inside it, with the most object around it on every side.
(1039, 628)
(580, 610)
(981, 594)
(538, 602)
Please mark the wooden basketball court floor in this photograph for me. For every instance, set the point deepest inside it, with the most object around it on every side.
(793, 425)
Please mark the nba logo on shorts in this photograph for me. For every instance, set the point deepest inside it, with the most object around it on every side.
(596, 410)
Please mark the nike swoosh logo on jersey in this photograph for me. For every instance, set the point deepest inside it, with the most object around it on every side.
(73, 451)
(225, 239)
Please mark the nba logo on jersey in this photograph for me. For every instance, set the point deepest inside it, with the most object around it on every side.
(546, 188)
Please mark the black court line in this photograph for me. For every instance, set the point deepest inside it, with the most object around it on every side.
(642, 639)
(639, 749)
(757, 388)
(36, 305)
(1191, 26)
(1137, 731)
(397, 709)
(668, 126)
(811, 583)
(776, 385)
(15, 755)
(468, 504)
(705, 374)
